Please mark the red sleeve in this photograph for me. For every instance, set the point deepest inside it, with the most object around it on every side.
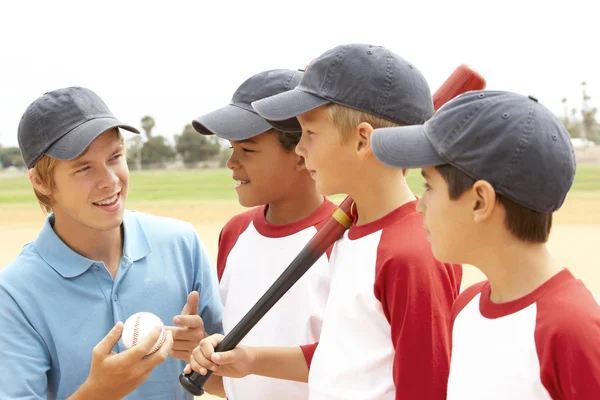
(309, 351)
(229, 236)
(417, 292)
(567, 337)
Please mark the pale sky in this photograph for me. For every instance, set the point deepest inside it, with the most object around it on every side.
(179, 59)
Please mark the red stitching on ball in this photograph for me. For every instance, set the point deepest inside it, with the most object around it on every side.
(159, 343)
(135, 329)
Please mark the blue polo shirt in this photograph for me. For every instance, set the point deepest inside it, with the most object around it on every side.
(56, 305)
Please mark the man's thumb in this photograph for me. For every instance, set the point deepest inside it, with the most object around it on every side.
(191, 307)
(109, 341)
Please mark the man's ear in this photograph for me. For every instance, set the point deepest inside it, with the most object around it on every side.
(364, 131)
(37, 183)
(484, 200)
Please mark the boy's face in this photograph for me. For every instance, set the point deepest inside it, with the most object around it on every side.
(84, 186)
(264, 172)
(328, 159)
(448, 222)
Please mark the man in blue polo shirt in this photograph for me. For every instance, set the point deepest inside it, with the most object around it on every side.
(94, 264)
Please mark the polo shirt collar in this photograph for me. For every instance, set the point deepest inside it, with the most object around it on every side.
(70, 264)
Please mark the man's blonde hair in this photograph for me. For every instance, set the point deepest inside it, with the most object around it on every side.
(44, 169)
(346, 119)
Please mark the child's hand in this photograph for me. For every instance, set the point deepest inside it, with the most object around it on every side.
(235, 363)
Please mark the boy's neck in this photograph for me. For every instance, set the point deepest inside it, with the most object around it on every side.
(379, 195)
(298, 205)
(105, 246)
(515, 268)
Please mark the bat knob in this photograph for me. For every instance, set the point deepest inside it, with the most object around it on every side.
(188, 383)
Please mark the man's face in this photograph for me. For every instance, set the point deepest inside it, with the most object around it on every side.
(91, 190)
(329, 160)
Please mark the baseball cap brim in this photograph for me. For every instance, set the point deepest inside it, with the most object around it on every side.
(232, 123)
(287, 105)
(405, 147)
(76, 142)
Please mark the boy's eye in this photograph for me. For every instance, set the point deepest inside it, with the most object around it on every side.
(83, 169)
(116, 157)
(427, 187)
(245, 150)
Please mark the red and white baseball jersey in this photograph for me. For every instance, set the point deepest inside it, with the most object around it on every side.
(545, 345)
(387, 327)
(252, 255)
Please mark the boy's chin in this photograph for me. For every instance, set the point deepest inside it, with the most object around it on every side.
(245, 201)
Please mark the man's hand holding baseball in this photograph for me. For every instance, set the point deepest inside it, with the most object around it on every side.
(114, 376)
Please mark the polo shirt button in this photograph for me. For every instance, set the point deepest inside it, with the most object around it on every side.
(115, 297)
(96, 268)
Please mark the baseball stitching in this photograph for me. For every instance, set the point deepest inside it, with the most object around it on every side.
(159, 343)
(135, 329)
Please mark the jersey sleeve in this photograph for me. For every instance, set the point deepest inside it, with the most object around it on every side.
(24, 358)
(417, 292)
(567, 339)
(229, 236)
(308, 350)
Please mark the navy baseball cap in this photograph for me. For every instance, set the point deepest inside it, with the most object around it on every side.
(238, 120)
(364, 77)
(63, 123)
(509, 140)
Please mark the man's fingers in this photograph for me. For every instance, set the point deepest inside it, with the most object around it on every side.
(161, 354)
(186, 335)
(188, 321)
(191, 307)
(105, 346)
(181, 355)
(144, 345)
(181, 345)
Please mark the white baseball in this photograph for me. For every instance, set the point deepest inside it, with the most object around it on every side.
(138, 326)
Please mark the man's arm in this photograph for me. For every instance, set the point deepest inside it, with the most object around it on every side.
(24, 357)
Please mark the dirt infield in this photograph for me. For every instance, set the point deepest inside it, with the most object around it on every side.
(575, 240)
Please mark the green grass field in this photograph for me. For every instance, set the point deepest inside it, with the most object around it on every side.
(206, 185)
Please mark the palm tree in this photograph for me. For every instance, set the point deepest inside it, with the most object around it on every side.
(147, 125)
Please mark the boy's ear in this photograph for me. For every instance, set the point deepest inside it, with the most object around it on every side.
(37, 183)
(484, 200)
(363, 143)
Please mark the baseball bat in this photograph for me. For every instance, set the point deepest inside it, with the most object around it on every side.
(463, 79)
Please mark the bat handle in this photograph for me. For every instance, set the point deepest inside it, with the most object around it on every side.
(194, 382)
